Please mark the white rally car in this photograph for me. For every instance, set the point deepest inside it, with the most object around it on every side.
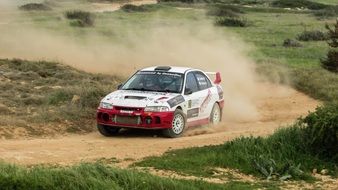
(166, 98)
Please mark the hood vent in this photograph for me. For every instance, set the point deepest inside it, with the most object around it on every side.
(134, 97)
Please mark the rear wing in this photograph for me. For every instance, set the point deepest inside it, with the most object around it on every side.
(216, 76)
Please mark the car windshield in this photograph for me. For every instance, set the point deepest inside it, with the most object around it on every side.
(155, 81)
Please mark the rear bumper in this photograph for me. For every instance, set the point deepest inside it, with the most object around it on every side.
(134, 119)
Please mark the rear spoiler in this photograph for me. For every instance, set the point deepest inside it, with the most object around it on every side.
(218, 78)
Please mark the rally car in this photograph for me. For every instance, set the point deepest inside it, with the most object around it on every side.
(167, 98)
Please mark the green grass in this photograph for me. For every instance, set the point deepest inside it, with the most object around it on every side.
(240, 154)
(293, 151)
(330, 2)
(97, 176)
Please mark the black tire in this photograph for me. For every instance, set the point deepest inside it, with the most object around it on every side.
(174, 132)
(107, 130)
(216, 110)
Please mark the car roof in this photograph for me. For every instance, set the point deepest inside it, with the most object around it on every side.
(168, 69)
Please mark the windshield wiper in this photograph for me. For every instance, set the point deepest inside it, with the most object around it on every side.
(139, 89)
(167, 91)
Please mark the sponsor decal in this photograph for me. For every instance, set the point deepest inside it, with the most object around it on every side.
(161, 99)
(126, 111)
(189, 103)
(205, 102)
(193, 112)
(175, 101)
(160, 73)
(220, 92)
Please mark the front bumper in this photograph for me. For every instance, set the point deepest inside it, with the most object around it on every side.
(127, 117)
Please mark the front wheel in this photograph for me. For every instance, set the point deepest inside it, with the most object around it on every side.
(107, 130)
(178, 125)
(216, 114)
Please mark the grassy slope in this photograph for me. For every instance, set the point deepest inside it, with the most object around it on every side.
(39, 95)
(284, 147)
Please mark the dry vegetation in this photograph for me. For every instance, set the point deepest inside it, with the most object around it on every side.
(48, 98)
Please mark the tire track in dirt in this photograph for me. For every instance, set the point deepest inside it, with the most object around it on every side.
(281, 106)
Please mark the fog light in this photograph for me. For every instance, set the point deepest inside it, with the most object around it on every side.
(105, 117)
(148, 120)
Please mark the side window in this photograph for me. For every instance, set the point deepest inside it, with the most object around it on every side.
(191, 82)
(202, 80)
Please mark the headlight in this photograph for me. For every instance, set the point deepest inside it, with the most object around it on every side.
(105, 105)
(156, 109)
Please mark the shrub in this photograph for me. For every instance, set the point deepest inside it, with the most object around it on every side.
(322, 132)
(331, 61)
(183, 1)
(298, 4)
(80, 18)
(224, 11)
(90, 96)
(140, 8)
(231, 21)
(291, 43)
(331, 11)
(59, 96)
(35, 7)
(314, 35)
(133, 8)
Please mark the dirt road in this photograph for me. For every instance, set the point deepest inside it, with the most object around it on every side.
(282, 105)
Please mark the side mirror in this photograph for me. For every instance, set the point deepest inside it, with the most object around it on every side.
(187, 91)
(119, 86)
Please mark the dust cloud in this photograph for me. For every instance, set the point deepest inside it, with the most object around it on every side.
(202, 46)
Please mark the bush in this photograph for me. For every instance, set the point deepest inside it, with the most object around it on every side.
(331, 61)
(231, 21)
(314, 35)
(328, 12)
(80, 18)
(90, 96)
(291, 43)
(298, 4)
(35, 7)
(133, 8)
(59, 96)
(322, 132)
(224, 11)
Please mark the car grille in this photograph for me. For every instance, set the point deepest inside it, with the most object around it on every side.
(127, 108)
(128, 120)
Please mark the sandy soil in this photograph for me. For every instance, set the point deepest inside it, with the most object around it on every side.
(282, 105)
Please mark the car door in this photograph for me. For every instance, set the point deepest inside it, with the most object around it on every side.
(197, 95)
(205, 93)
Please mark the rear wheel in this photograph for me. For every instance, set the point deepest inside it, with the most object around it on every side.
(107, 130)
(215, 115)
(178, 125)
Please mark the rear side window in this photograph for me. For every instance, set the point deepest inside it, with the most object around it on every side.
(202, 80)
(191, 82)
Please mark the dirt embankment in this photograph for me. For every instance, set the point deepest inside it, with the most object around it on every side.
(280, 106)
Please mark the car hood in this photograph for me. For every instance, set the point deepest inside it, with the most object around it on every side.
(129, 98)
